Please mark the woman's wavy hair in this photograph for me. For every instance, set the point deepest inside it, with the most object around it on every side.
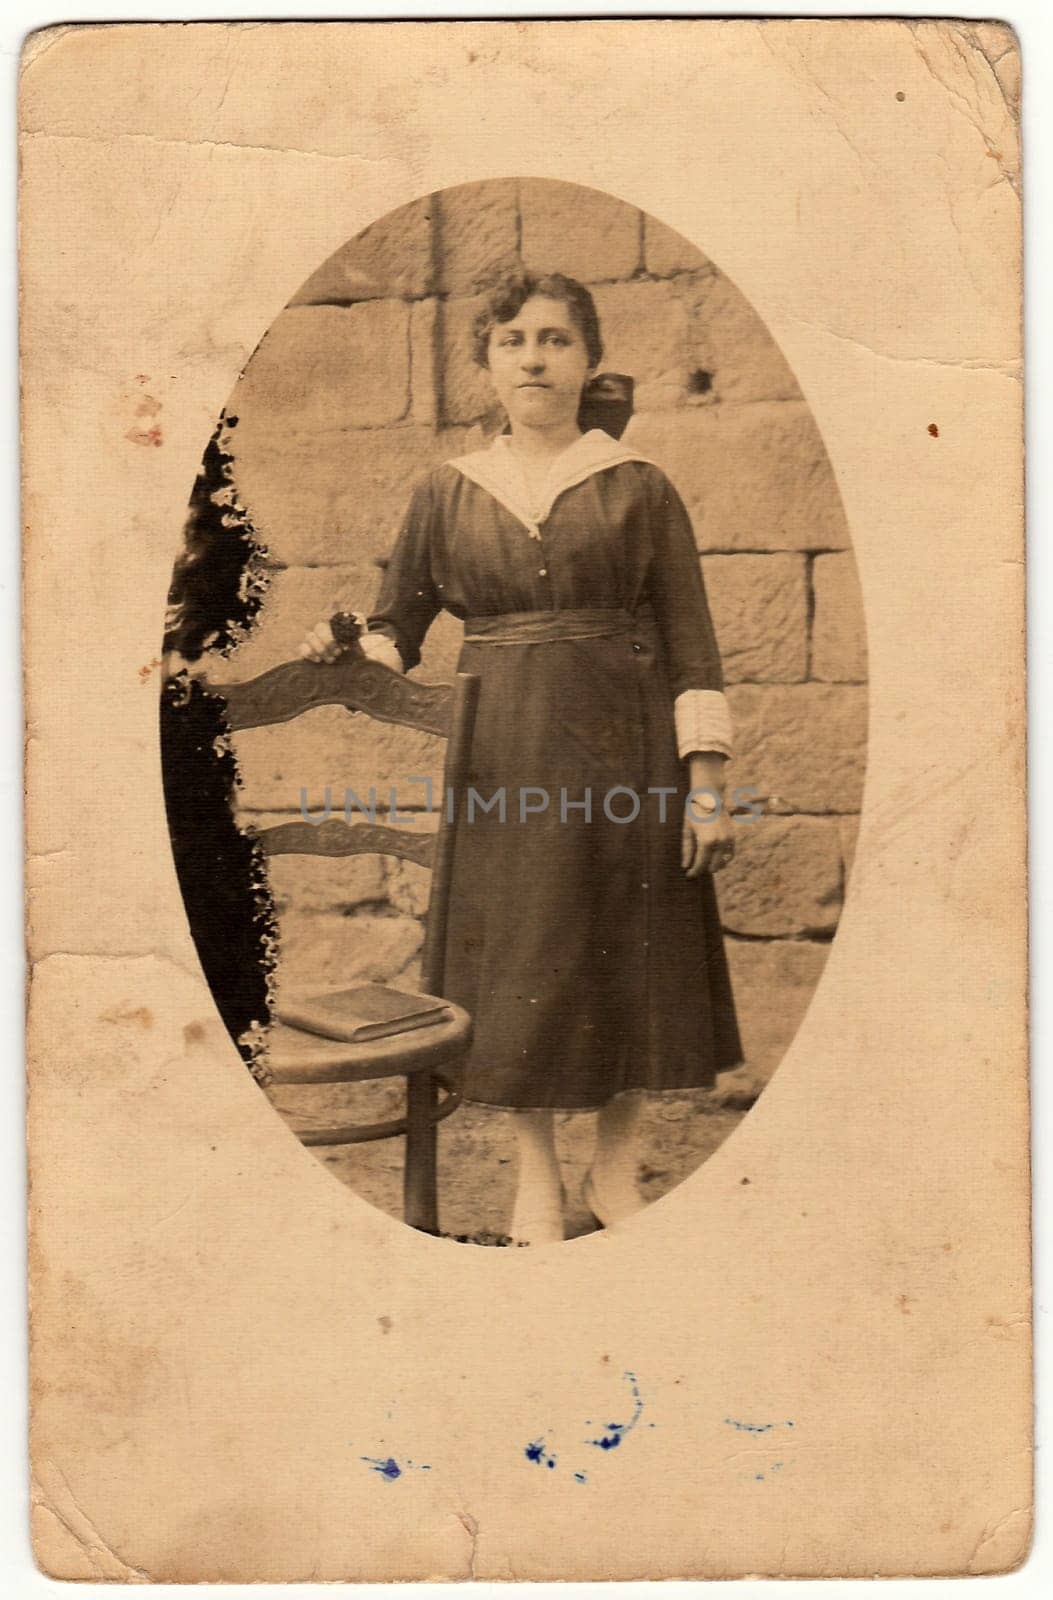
(506, 297)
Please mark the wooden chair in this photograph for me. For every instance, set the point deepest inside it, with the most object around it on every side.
(424, 1056)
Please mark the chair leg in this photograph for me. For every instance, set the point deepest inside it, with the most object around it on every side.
(420, 1206)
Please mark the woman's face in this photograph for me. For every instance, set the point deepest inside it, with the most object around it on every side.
(538, 363)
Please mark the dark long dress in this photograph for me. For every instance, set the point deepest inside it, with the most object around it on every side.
(590, 964)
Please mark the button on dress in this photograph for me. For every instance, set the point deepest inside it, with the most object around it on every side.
(590, 964)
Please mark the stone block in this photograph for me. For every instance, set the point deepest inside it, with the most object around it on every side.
(754, 477)
(332, 498)
(327, 885)
(323, 368)
(467, 393)
(646, 330)
(677, 386)
(582, 232)
(785, 878)
(773, 981)
(839, 643)
(406, 885)
(390, 258)
(332, 748)
(409, 887)
(802, 746)
(760, 611)
(424, 373)
(691, 340)
(730, 344)
(478, 234)
(667, 252)
(330, 952)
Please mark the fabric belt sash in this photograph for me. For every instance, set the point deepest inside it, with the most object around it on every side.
(539, 627)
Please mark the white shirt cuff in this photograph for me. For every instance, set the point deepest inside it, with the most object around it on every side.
(703, 722)
(379, 647)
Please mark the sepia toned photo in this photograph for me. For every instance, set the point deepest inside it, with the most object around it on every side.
(527, 445)
(524, 608)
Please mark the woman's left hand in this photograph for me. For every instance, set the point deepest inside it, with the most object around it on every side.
(708, 842)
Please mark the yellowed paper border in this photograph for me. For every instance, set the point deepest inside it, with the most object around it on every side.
(221, 1333)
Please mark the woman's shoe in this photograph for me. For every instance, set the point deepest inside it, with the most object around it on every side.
(610, 1209)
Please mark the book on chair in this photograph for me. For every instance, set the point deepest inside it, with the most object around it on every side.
(369, 1011)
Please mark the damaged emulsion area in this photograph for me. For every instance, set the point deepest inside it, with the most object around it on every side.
(216, 591)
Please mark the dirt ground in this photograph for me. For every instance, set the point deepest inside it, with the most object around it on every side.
(477, 1152)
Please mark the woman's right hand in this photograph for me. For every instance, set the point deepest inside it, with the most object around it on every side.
(320, 645)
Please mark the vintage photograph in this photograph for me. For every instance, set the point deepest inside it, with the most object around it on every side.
(514, 722)
(524, 601)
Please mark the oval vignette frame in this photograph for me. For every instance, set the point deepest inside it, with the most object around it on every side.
(363, 381)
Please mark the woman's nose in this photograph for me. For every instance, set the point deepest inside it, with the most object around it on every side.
(533, 359)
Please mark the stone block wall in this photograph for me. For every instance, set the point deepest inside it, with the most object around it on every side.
(366, 379)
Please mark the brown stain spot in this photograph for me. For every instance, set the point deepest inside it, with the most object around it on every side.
(945, 1527)
(145, 436)
(934, 430)
(947, 1245)
(137, 1014)
(142, 377)
(194, 1032)
(385, 1323)
(905, 1301)
(148, 406)
(605, 1358)
(900, 95)
(144, 672)
(743, 1180)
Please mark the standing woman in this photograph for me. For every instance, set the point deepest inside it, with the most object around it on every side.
(584, 934)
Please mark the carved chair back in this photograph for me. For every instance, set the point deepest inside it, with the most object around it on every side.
(363, 685)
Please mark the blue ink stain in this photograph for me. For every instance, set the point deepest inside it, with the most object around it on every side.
(615, 1432)
(610, 1438)
(388, 1467)
(535, 1451)
(755, 1427)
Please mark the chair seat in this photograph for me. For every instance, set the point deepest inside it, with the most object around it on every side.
(294, 1056)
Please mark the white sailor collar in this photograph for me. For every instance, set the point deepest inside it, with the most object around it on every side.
(496, 470)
